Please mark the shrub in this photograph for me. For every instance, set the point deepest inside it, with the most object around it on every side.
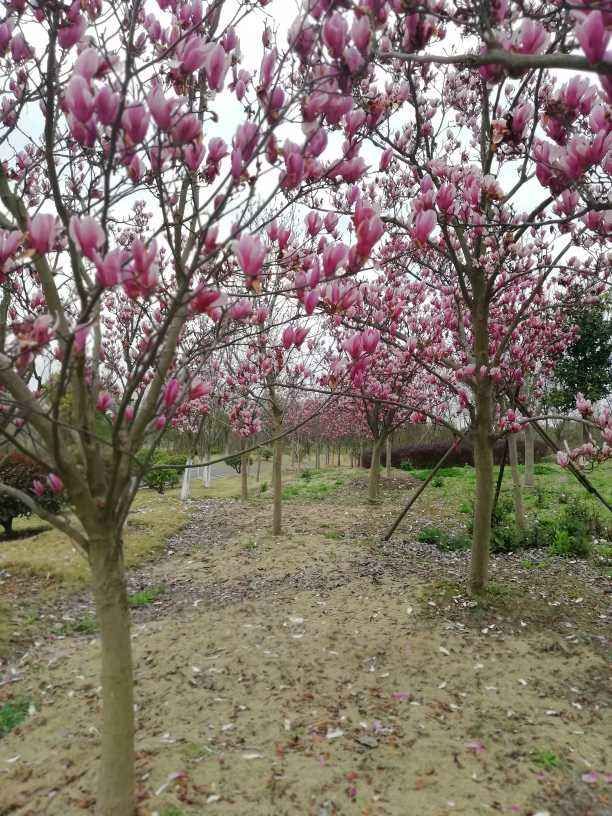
(307, 474)
(430, 535)
(165, 469)
(427, 455)
(19, 471)
(458, 542)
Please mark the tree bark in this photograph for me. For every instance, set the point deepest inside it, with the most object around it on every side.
(529, 456)
(388, 457)
(483, 504)
(116, 774)
(517, 487)
(339, 455)
(374, 476)
(317, 457)
(244, 475)
(277, 485)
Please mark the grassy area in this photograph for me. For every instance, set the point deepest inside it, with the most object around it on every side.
(554, 487)
(49, 553)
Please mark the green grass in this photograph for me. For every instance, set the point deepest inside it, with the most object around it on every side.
(146, 596)
(314, 484)
(87, 625)
(50, 554)
(546, 759)
(13, 714)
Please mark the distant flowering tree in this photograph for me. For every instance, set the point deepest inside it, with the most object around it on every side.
(493, 175)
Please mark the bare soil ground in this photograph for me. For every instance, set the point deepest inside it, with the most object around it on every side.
(324, 673)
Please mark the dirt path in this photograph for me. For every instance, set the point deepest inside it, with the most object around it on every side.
(323, 674)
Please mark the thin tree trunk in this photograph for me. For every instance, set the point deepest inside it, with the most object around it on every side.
(259, 458)
(388, 457)
(517, 487)
(483, 504)
(374, 476)
(317, 457)
(361, 453)
(529, 441)
(116, 774)
(186, 482)
(339, 454)
(244, 474)
(277, 485)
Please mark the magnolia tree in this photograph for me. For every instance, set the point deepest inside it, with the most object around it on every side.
(498, 190)
(126, 248)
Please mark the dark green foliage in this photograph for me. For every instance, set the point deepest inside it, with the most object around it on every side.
(430, 535)
(18, 471)
(235, 462)
(307, 474)
(427, 455)
(586, 366)
(146, 596)
(13, 714)
(458, 542)
(164, 470)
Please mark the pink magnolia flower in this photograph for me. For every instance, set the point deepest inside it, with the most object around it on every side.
(55, 483)
(333, 256)
(135, 122)
(193, 55)
(9, 243)
(38, 487)
(81, 333)
(368, 234)
(87, 234)
(159, 422)
(215, 65)
(106, 105)
(162, 109)
(103, 402)
(532, 37)
(310, 301)
(69, 35)
(423, 225)
(385, 159)
(241, 309)
(563, 459)
(171, 392)
(250, 254)
(79, 99)
(370, 339)
(288, 337)
(335, 31)
(198, 389)
(360, 32)
(313, 223)
(109, 269)
(593, 36)
(584, 406)
(43, 230)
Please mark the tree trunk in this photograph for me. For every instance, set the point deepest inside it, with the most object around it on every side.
(259, 458)
(339, 455)
(116, 774)
(317, 457)
(374, 472)
(186, 482)
(517, 488)
(244, 475)
(529, 456)
(361, 453)
(388, 457)
(277, 485)
(483, 504)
